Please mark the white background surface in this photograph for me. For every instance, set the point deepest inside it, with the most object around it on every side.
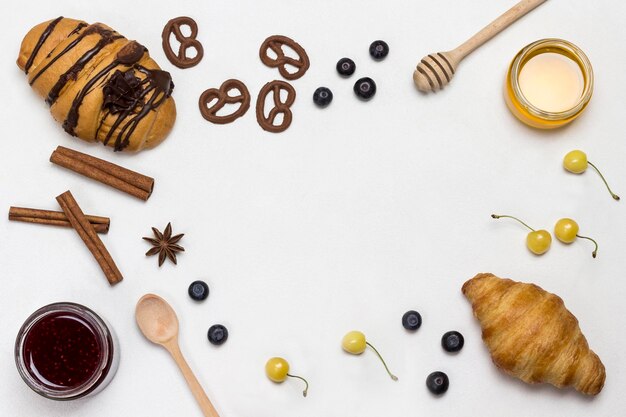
(356, 214)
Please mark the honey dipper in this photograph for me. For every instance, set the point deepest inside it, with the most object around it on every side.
(436, 70)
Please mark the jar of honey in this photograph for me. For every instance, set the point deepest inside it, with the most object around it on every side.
(549, 83)
(65, 351)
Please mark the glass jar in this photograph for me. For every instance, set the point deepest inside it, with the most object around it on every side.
(65, 351)
(528, 112)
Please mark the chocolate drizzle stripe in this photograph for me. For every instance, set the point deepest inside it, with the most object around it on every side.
(92, 29)
(71, 121)
(59, 55)
(131, 125)
(74, 70)
(40, 42)
(106, 114)
(77, 29)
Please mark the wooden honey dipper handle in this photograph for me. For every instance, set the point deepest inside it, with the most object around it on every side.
(497, 26)
(436, 70)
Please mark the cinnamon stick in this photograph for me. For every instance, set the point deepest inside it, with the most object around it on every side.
(87, 233)
(123, 179)
(55, 218)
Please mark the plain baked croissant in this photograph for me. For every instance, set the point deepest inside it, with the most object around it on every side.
(98, 84)
(532, 336)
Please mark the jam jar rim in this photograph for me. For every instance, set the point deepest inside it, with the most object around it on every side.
(105, 338)
(566, 49)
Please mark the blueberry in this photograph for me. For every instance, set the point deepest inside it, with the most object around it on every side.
(411, 320)
(452, 341)
(198, 290)
(217, 334)
(365, 88)
(437, 383)
(322, 96)
(379, 50)
(346, 67)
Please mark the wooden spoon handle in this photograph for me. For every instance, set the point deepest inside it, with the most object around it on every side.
(495, 27)
(203, 401)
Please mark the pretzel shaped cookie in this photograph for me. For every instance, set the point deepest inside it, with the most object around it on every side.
(180, 58)
(280, 107)
(223, 98)
(276, 43)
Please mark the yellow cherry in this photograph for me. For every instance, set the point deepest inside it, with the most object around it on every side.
(566, 230)
(277, 370)
(576, 162)
(537, 241)
(354, 342)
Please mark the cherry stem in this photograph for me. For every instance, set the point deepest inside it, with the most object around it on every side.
(615, 196)
(498, 216)
(595, 251)
(306, 388)
(395, 378)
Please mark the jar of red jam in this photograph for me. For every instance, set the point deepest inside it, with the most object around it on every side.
(65, 351)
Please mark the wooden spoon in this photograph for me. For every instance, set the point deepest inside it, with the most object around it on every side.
(436, 70)
(158, 323)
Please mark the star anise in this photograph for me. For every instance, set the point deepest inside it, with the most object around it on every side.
(165, 244)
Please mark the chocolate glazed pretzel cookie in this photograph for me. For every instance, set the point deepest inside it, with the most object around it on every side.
(180, 58)
(223, 98)
(267, 123)
(276, 43)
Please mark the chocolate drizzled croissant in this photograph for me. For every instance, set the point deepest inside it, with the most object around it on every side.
(99, 85)
(532, 336)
